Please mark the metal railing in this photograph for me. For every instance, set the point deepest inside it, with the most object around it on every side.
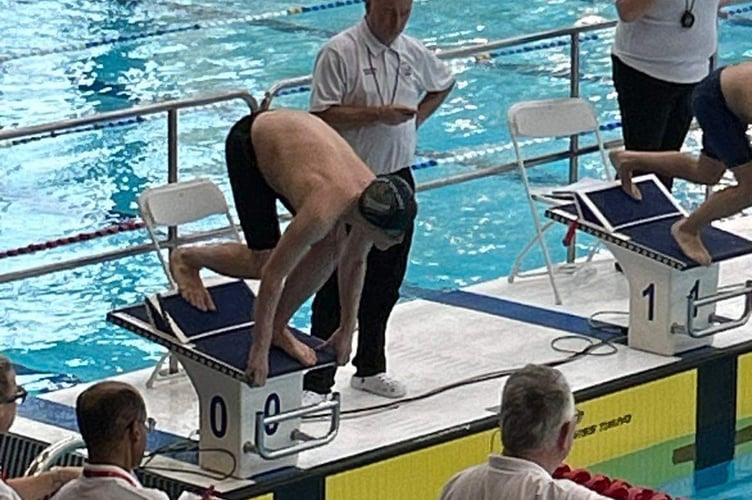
(172, 108)
(572, 153)
(574, 56)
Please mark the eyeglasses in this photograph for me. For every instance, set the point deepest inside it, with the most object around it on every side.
(149, 423)
(19, 397)
(578, 416)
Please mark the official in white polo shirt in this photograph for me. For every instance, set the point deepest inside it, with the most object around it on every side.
(375, 86)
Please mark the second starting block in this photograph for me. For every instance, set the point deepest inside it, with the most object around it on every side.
(672, 303)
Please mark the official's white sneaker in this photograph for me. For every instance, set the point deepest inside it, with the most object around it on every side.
(381, 384)
(311, 398)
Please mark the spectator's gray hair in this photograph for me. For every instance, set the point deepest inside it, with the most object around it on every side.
(535, 402)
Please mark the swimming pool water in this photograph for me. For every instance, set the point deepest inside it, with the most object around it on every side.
(80, 182)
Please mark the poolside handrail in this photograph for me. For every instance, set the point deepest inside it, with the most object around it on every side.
(574, 78)
(572, 32)
(171, 107)
(172, 241)
(110, 116)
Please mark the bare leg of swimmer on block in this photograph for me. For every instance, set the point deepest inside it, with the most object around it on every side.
(235, 260)
(722, 103)
(340, 211)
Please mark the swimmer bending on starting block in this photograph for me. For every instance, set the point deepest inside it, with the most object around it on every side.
(340, 210)
(722, 103)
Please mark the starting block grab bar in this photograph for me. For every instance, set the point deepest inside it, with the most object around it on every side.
(718, 324)
(266, 422)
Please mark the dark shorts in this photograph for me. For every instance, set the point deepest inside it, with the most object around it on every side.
(255, 200)
(724, 135)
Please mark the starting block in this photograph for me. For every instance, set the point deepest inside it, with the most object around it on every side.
(673, 299)
(258, 428)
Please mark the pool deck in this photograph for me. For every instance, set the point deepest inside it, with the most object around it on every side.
(441, 339)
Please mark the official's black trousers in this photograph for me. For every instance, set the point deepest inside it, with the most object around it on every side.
(655, 114)
(384, 274)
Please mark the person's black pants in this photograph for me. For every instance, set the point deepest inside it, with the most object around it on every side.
(655, 114)
(384, 274)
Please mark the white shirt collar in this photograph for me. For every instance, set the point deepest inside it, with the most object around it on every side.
(505, 463)
(111, 471)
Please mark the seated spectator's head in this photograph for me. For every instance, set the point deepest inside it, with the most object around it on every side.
(113, 423)
(538, 416)
(11, 394)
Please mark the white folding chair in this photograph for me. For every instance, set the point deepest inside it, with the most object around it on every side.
(172, 205)
(549, 118)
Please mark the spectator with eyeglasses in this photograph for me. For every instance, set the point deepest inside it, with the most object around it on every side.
(538, 420)
(113, 423)
(32, 487)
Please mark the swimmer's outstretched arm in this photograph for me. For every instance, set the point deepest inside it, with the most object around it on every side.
(306, 229)
(351, 275)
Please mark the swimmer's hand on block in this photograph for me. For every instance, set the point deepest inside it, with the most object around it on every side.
(584, 184)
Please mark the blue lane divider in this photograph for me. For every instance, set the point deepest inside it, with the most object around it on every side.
(165, 31)
(530, 48)
(286, 12)
(738, 10)
(87, 128)
(463, 156)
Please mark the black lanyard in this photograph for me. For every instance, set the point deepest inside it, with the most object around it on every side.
(376, 79)
(688, 19)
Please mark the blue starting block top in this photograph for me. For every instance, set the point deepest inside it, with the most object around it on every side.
(643, 226)
(220, 339)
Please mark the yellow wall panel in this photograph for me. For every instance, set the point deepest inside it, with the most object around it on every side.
(413, 476)
(615, 425)
(637, 418)
(744, 387)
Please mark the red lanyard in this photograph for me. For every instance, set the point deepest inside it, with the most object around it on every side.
(110, 473)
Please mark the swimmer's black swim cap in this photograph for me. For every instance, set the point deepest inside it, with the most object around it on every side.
(388, 202)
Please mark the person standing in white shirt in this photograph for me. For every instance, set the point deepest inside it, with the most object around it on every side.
(32, 487)
(538, 420)
(662, 49)
(375, 86)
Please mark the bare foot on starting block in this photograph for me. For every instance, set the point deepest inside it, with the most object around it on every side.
(189, 282)
(690, 243)
(620, 161)
(295, 348)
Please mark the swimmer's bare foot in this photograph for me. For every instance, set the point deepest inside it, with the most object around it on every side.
(690, 243)
(188, 280)
(294, 347)
(622, 165)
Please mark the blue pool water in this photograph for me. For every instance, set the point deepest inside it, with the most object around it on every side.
(67, 58)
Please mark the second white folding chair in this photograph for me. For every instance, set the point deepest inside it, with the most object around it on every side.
(550, 118)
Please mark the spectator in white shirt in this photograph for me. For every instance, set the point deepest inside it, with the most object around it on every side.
(538, 420)
(32, 487)
(113, 424)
